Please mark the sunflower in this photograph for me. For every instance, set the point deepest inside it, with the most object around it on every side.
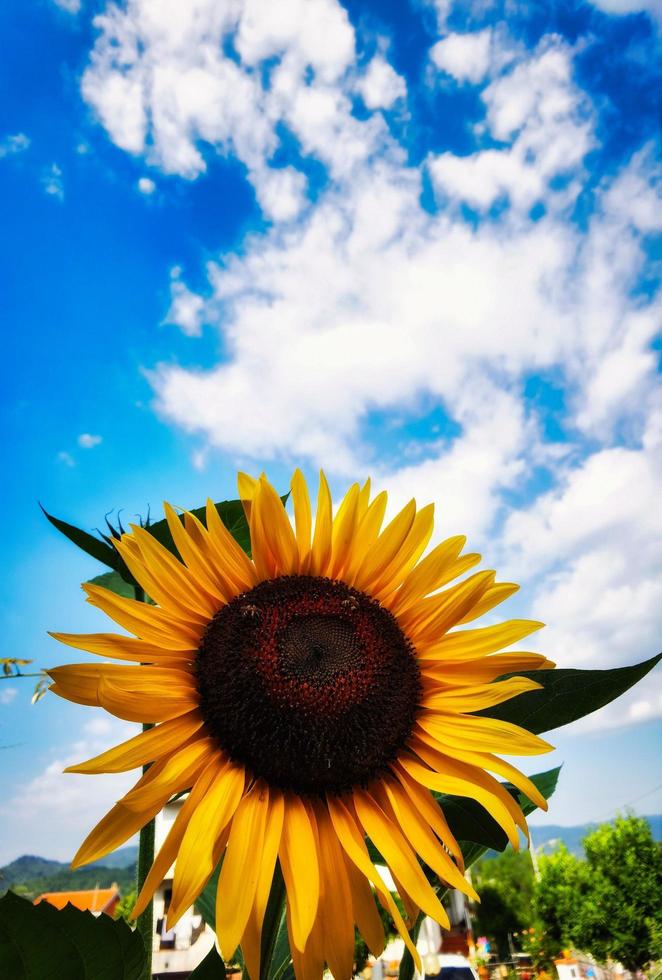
(309, 697)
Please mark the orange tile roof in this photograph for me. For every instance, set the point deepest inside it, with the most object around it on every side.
(94, 900)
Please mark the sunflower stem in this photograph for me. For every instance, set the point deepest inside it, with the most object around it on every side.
(406, 971)
(145, 921)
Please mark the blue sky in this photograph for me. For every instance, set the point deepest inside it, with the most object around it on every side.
(419, 240)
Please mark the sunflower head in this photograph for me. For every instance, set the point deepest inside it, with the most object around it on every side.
(310, 696)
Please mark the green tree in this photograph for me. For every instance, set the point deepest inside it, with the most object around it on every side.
(124, 908)
(559, 896)
(610, 904)
(622, 918)
(505, 885)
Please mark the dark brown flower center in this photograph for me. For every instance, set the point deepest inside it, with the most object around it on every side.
(308, 683)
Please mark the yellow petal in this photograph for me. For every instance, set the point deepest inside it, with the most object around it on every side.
(159, 586)
(398, 854)
(483, 670)
(195, 861)
(444, 763)
(417, 831)
(484, 734)
(470, 644)
(367, 533)
(246, 486)
(353, 844)
(145, 747)
(321, 548)
(303, 520)
(344, 531)
(174, 575)
(430, 618)
(464, 699)
(234, 559)
(273, 529)
(179, 772)
(193, 557)
(496, 594)
(386, 547)
(251, 940)
(425, 804)
(80, 682)
(485, 760)
(298, 858)
(308, 963)
(364, 498)
(241, 868)
(119, 824)
(365, 911)
(168, 851)
(412, 548)
(145, 621)
(124, 648)
(336, 899)
(430, 574)
(155, 704)
(226, 585)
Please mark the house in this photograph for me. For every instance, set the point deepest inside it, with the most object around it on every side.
(175, 952)
(94, 900)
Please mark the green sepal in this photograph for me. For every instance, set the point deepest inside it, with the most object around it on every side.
(39, 941)
(566, 695)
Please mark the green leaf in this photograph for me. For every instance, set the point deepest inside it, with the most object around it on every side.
(471, 823)
(98, 549)
(206, 900)
(567, 695)
(211, 968)
(39, 941)
(114, 582)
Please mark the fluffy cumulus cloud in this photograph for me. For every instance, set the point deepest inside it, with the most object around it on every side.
(62, 802)
(364, 299)
(542, 123)
(88, 441)
(620, 8)
(464, 56)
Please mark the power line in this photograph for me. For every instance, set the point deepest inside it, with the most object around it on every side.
(648, 792)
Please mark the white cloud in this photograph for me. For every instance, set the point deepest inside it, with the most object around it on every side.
(66, 458)
(622, 7)
(88, 441)
(380, 86)
(12, 144)
(537, 109)
(186, 308)
(7, 694)
(66, 804)
(51, 181)
(146, 185)
(71, 6)
(464, 56)
(363, 301)
(280, 192)
(162, 87)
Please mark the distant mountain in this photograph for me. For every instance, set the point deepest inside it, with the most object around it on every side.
(546, 838)
(30, 875)
(125, 857)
